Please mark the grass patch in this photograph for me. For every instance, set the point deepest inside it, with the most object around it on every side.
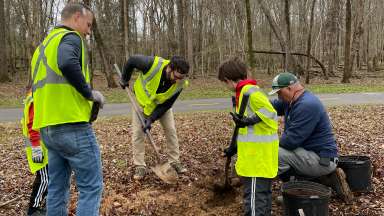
(344, 88)
(12, 96)
(9, 102)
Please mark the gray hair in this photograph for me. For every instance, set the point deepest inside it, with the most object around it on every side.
(73, 8)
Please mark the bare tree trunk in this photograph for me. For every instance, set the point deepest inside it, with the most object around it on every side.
(126, 29)
(172, 43)
(270, 60)
(189, 16)
(331, 36)
(9, 42)
(347, 51)
(107, 68)
(200, 38)
(367, 55)
(298, 69)
(251, 56)
(180, 24)
(357, 33)
(309, 40)
(4, 76)
(287, 19)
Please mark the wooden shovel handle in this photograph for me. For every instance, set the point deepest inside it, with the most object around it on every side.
(137, 109)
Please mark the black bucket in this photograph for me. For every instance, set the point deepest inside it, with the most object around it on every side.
(306, 197)
(358, 170)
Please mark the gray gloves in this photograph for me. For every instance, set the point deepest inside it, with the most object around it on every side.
(98, 98)
(123, 84)
(37, 154)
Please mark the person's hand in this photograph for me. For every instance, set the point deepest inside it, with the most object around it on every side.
(98, 98)
(147, 124)
(228, 152)
(37, 154)
(239, 121)
(123, 84)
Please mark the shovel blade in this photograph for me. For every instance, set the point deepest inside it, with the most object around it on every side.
(166, 173)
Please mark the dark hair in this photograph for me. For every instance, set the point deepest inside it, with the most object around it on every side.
(72, 8)
(233, 69)
(179, 64)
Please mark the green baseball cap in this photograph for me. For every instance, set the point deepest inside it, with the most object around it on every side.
(281, 81)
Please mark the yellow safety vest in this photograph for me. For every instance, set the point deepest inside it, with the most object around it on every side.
(146, 86)
(27, 143)
(258, 144)
(56, 101)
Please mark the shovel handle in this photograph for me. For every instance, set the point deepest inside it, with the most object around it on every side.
(137, 109)
(226, 171)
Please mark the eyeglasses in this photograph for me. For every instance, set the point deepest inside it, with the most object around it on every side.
(178, 75)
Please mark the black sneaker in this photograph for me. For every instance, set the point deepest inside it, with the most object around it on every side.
(180, 169)
(139, 172)
(37, 212)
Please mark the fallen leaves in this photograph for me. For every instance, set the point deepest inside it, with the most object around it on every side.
(202, 136)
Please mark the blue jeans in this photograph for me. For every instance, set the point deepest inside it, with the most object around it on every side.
(73, 147)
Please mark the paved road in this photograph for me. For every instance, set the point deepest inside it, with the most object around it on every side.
(7, 115)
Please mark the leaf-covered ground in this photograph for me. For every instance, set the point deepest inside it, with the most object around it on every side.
(359, 130)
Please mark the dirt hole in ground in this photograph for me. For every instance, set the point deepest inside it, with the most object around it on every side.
(221, 196)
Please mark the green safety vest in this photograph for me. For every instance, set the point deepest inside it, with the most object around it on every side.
(56, 101)
(258, 144)
(146, 86)
(27, 143)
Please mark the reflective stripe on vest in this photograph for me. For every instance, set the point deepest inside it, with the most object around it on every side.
(56, 100)
(33, 167)
(146, 86)
(258, 144)
(51, 76)
(151, 76)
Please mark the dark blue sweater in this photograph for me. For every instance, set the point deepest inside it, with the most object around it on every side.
(307, 125)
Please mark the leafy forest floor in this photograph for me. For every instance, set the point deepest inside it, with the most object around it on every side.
(12, 94)
(359, 130)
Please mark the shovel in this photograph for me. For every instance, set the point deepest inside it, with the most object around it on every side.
(163, 170)
(227, 184)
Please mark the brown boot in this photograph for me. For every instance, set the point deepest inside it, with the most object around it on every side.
(338, 182)
(340, 185)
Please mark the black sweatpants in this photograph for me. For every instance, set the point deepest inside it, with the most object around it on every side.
(257, 196)
(39, 189)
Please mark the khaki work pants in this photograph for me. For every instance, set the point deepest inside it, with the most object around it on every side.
(167, 121)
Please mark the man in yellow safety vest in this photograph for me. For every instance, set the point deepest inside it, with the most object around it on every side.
(156, 89)
(63, 100)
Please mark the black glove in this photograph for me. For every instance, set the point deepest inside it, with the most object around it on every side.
(230, 151)
(147, 124)
(244, 121)
(123, 84)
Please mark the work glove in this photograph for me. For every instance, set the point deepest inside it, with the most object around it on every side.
(37, 154)
(244, 121)
(147, 124)
(230, 151)
(123, 84)
(98, 98)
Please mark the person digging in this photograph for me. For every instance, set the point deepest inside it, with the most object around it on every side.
(257, 140)
(156, 89)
